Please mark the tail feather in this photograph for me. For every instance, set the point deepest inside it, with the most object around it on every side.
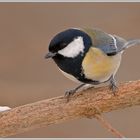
(130, 43)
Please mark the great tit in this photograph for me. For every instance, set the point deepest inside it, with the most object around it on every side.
(88, 56)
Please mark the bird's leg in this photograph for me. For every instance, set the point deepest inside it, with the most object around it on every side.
(113, 85)
(72, 91)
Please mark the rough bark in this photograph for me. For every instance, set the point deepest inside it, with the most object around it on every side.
(86, 103)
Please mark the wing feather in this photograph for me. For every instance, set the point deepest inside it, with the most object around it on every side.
(109, 44)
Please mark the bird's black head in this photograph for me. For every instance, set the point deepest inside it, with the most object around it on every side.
(69, 43)
(68, 49)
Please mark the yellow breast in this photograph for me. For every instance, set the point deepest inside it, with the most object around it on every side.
(98, 66)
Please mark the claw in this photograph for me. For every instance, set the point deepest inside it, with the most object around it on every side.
(114, 89)
(72, 91)
(69, 93)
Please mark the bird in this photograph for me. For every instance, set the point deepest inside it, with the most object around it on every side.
(88, 56)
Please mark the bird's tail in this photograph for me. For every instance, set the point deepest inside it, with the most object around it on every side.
(130, 43)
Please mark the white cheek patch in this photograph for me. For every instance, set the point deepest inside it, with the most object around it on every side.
(74, 48)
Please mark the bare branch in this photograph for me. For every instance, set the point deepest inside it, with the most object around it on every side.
(108, 126)
(87, 103)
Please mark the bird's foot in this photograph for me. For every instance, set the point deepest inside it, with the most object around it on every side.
(72, 91)
(69, 93)
(113, 87)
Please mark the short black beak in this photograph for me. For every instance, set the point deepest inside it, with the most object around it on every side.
(50, 55)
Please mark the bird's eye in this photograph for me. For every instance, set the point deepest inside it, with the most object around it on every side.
(63, 44)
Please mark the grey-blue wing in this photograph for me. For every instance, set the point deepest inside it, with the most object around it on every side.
(109, 44)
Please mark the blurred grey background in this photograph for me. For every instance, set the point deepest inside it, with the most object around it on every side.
(25, 76)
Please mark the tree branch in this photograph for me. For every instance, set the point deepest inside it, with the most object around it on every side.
(108, 126)
(86, 103)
